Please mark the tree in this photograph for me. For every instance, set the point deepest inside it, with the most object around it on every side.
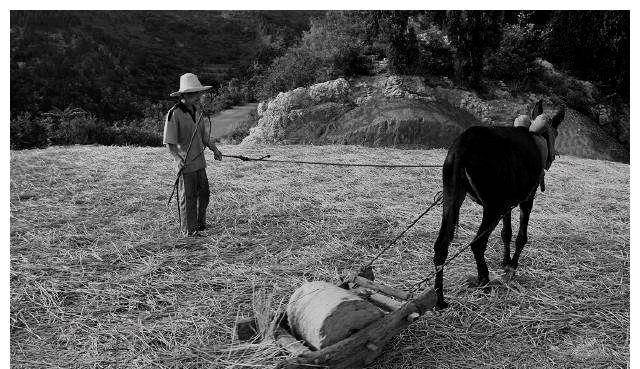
(473, 34)
(594, 45)
(402, 46)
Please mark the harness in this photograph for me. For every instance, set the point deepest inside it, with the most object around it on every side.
(547, 152)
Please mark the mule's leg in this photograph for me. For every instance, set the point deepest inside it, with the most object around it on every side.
(450, 213)
(453, 194)
(490, 219)
(506, 239)
(521, 239)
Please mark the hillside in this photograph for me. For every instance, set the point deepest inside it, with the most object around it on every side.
(122, 64)
(409, 111)
(98, 278)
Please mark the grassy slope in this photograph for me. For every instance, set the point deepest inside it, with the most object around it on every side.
(99, 278)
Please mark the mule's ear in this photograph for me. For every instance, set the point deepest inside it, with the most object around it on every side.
(558, 117)
(536, 110)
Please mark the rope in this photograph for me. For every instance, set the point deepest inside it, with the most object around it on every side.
(437, 199)
(441, 267)
(265, 158)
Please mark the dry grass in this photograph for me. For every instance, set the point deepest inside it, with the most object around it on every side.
(98, 277)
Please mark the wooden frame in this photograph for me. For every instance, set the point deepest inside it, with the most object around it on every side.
(362, 347)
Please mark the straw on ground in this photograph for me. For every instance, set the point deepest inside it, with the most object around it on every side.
(99, 279)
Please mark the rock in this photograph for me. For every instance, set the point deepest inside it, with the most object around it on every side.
(330, 91)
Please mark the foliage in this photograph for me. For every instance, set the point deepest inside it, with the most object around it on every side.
(474, 34)
(27, 133)
(333, 47)
(76, 126)
(119, 64)
(402, 45)
(513, 58)
(594, 45)
(436, 53)
(298, 67)
(230, 94)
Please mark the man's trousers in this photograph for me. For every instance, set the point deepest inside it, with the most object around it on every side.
(193, 189)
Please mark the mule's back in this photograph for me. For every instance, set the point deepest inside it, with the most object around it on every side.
(500, 164)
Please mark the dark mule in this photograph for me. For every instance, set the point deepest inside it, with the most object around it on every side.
(499, 167)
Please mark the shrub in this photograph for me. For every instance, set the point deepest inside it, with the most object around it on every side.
(71, 126)
(76, 126)
(512, 60)
(129, 136)
(332, 48)
(436, 54)
(77, 130)
(473, 34)
(27, 133)
(298, 67)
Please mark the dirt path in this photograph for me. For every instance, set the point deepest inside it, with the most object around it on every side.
(226, 121)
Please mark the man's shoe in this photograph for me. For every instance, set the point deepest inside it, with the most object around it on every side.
(194, 234)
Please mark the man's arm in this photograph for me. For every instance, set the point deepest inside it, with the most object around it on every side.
(173, 150)
(216, 153)
(170, 137)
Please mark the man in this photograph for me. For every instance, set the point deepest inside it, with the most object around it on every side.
(186, 140)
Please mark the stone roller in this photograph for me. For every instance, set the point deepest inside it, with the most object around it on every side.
(323, 314)
(346, 326)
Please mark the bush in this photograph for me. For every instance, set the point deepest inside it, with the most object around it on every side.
(129, 136)
(27, 133)
(78, 130)
(592, 45)
(436, 54)
(298, 67)
(519, 47)
(332, 48)
(474, 34)
(77, 127)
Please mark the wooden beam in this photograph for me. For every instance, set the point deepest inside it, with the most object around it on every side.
(383, 301)
(394, 292)
(364, 346)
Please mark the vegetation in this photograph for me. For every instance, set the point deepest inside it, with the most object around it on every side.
(119, 66)
(99, 278)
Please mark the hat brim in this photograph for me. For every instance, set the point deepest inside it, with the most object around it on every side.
(188, 90)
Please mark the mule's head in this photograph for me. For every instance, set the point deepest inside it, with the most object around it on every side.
(546, 125)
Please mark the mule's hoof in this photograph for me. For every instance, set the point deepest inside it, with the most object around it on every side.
(441, 305)
(509, 273)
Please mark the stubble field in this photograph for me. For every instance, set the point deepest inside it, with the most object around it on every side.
(99, 277)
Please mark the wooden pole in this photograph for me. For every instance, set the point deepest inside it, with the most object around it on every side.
(364, 346)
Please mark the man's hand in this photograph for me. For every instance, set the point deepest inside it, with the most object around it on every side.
(216, 153)
(181, 163)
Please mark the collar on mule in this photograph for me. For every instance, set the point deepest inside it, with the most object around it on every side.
(547, 151)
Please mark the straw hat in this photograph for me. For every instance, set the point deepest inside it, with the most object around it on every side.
(189, 83)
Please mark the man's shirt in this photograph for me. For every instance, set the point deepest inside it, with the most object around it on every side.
(179, 125)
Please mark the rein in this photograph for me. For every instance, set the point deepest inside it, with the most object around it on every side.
(265, 158)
